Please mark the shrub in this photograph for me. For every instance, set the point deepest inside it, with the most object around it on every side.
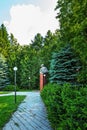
(66, 106)
(10, 88)
(51, 95)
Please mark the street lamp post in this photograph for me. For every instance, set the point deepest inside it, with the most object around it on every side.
(29, 82)
(15, 69)
(44, 79)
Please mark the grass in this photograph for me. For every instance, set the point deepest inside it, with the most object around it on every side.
(7, 108)
(2, 92)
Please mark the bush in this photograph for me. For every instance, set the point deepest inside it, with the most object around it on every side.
(66, 106)
(10, 88)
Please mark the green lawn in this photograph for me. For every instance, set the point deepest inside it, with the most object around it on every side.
(7, 107)
(2, 92)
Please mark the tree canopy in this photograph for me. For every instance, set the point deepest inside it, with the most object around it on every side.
(72, 16)
(4, 80)
(28, 58)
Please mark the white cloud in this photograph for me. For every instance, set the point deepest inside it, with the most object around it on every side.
(28, 20)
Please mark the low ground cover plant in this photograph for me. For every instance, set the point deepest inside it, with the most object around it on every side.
(66, 106)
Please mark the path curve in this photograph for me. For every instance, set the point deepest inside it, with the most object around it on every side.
(30, 115)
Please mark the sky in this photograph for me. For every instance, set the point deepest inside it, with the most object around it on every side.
(26, 18)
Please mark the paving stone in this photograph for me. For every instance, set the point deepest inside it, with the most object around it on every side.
(7, 127)
(30, 115)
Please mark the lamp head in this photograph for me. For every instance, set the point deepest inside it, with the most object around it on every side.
(15, 68)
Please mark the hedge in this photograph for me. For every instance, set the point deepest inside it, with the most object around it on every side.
(66, 106)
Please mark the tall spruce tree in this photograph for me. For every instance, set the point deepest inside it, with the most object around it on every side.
(72, 15)
(64, 67)
(3, 72)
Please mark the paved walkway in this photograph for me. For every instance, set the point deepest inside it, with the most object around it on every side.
(30, 115)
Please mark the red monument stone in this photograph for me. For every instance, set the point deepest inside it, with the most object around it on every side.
(43, 72)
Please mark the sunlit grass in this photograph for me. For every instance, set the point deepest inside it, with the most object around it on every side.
(7, 107)
(2, 92)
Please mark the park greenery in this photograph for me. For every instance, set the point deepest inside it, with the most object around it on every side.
(64, 53)
(66, 106)
(28, 58)
(7, 107)
(65, 96)
(3, 72)
(65, 67)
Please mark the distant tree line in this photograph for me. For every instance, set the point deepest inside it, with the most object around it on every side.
(28, 58)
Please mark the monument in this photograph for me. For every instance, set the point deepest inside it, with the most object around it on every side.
(43, 72)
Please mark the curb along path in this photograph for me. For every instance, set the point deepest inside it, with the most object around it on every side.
(30, 115)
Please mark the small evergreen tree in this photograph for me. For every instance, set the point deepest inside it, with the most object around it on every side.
(64, 66)
(3, 72)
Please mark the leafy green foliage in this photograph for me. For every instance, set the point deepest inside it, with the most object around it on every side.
(3, 33)
(13, 59)
(72, 16)
(4, 40)
(37, 43)
(3, 72)
(28, 58)
(51, 43)
(10, 88)
(66, 106)
(29, 67)
(64, 66)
